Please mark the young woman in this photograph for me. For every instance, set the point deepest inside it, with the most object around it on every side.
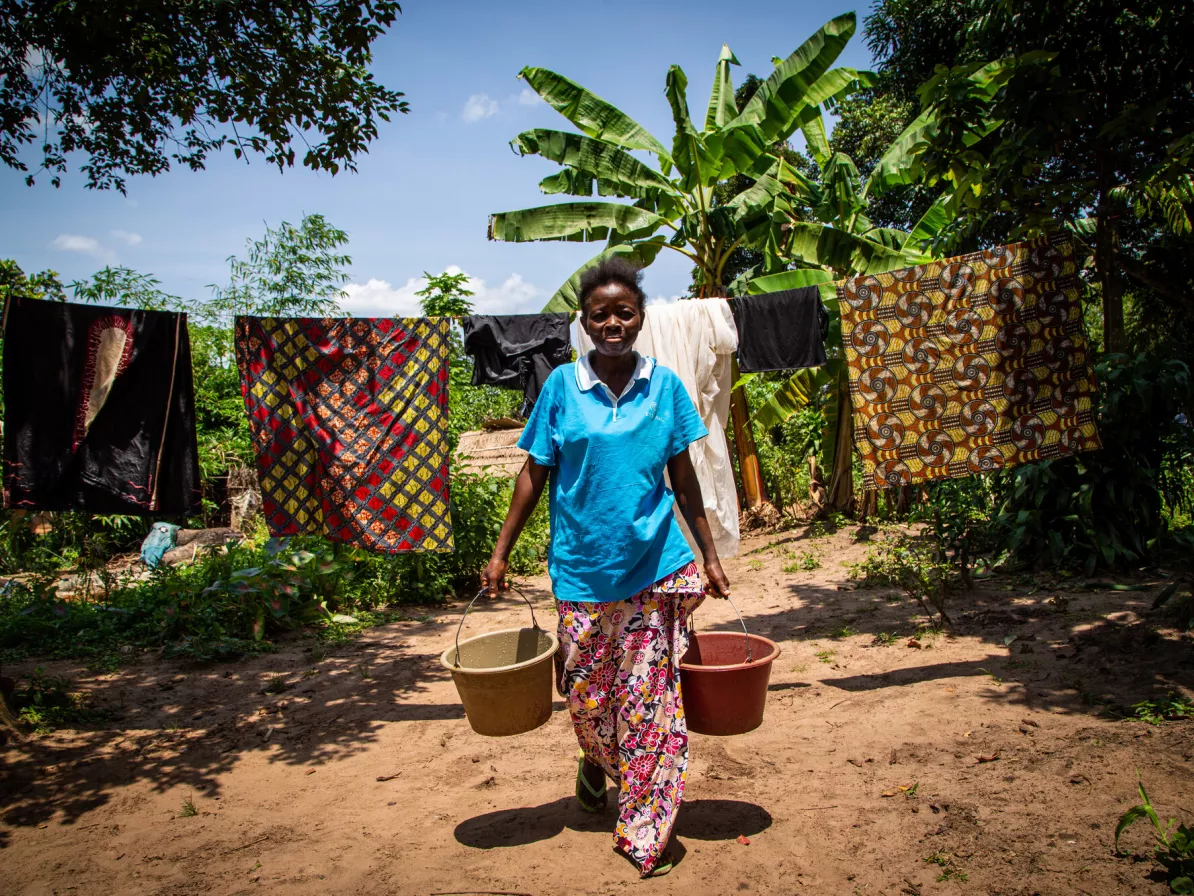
(601, 435)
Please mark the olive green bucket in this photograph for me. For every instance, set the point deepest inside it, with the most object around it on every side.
(504, 677)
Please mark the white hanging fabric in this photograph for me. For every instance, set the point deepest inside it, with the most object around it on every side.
(697, 339)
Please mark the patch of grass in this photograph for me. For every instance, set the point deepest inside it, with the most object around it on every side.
(755, 565)
(825, 656)
(803, 667)
(362, 671)
(188, 809)
(1173, 847)
(885, 639)
(846, 631)
(1170, 708)
(45, 703)
(945, 862)
(991, 675)
(805, 561)
(276, 684)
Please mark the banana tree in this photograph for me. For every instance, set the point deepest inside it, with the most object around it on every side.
(821, 226)
(671, 205)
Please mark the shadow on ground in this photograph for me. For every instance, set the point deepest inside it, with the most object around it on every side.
(177, 725)
(698, 820)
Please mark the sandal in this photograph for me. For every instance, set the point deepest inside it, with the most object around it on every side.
(665, 865)
(590, 799)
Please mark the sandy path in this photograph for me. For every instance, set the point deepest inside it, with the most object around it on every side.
(288, 798)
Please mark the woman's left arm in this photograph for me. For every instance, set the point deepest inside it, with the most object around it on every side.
(688, 496)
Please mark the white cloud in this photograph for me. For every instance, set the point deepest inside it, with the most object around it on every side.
(528, 97)
(380, 298)
(479, 106)
(86, 245)
(127, 237)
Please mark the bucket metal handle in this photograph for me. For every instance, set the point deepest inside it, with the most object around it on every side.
(510, 586)
(750, 656)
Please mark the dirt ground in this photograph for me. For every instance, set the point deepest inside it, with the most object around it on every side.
(363, 776)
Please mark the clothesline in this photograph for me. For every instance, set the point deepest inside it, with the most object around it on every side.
(955, 367)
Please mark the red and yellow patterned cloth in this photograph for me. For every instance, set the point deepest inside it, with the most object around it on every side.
(349, 420)
(969, 364)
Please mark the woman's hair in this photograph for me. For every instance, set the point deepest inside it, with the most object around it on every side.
(612, 270)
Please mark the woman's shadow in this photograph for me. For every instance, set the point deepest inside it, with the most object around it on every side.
(698, 820)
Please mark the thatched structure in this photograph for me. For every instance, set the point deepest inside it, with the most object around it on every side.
(492, 452)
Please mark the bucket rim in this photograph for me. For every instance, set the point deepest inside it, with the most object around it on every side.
(493, 670)
(774, 650)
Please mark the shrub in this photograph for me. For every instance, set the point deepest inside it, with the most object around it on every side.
(1108, 507)
(912, 564)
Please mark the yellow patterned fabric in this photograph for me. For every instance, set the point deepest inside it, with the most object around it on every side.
(967, 365)
(349, 420)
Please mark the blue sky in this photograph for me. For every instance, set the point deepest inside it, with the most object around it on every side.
(421, 197)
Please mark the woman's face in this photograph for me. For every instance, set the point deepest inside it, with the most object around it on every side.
(612, 319)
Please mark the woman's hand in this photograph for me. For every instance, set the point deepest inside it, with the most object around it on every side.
(716, 583)
(493, 578)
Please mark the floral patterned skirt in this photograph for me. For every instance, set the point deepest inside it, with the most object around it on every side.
(619, 671)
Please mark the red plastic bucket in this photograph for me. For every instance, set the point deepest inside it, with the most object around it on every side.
(723, 681)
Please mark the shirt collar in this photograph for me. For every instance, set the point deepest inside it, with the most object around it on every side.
(586, 376)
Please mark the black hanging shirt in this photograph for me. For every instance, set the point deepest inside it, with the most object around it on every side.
(780, 330)
(517, 351)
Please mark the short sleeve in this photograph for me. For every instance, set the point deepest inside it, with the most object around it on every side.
(686, 422)
(538, 437)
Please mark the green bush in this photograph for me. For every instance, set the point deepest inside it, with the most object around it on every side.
(1108, 507)
(783, 450)
(233, 601)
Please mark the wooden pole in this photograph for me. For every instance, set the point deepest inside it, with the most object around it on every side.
(755, 492)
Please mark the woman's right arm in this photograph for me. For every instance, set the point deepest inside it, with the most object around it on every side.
(527, 489)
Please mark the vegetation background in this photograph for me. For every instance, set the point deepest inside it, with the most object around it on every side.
(983, 122)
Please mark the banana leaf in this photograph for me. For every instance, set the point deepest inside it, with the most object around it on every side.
(788, 280)
(798, 393)
(721, 98)
(697, 164)
(824, 246)
(616, 171)
(779, 100)
(580, 222)
(591, 114)
(816, 138)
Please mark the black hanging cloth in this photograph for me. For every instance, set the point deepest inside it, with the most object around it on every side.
(517, 351)
(99, 410)
(783, 330)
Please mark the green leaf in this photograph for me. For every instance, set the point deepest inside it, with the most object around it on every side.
(581, 222)
(789, 280)
(642, 253)
(843, 252)
(815, 137)
(697, 164)
(925, 233)
(616, 172)
(591, 114)
(898, 164)
(776, 105)
(798, 393)
(721, 99)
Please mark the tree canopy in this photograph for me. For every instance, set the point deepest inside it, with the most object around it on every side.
(1078, 114)
(132, 88)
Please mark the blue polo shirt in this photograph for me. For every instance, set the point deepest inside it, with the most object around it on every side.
(613, 532)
